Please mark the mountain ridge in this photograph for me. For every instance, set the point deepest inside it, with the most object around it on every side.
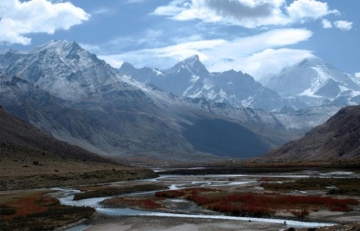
(312, 82)
(190, 78)
(111, 113)
(338, 138)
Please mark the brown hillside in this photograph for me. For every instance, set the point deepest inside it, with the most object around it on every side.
(338, 138)
(20, 135)
(32, 159)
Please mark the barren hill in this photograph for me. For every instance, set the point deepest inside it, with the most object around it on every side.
(31, 159)
(338, 138)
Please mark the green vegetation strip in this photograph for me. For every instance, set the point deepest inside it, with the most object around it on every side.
(112, 191)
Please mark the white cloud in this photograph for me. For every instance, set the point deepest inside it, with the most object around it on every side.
(357, 74)
(246, 13)
(270, 61)
(326, 24)
(37, 16)
(175, 7)
(302, 9)
(343, 25)
(255, 55)
(102, 10)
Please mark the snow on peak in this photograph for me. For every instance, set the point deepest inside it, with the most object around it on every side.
(192, 59)
(311, 78)
(310, 61)
(56, 45)
(191, 64)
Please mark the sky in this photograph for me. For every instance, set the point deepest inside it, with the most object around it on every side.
(258, 37)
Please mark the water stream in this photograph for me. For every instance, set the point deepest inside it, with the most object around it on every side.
(177, 182)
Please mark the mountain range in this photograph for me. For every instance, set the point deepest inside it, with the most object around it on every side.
(71, 94)
(190, 78)
(181, 113)
(310, 83)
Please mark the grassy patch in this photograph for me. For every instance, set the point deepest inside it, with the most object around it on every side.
(112, 191)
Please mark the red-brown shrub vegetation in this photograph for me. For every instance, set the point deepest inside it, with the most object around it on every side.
(171, 193)
(144, 203)
(259, 205)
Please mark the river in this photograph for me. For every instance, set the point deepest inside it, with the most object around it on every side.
(191, 210)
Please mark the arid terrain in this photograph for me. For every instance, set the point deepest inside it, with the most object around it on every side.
(32, 162)
(224, 202)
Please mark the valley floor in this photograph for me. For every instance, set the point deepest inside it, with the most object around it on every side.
(135, 206)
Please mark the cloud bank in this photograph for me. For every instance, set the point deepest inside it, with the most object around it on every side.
(37, 16)
(246, 13)
(259, 55)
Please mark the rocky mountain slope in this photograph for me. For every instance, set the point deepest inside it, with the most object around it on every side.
(69, 93)
(16, 134)
(76, 97)
(312, 82)
(190, 78)
(31, 159)
(338, 138)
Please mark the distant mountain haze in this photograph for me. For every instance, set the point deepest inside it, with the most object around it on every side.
(190, 78)
(181, 113)
(70, 93)
(312, 82)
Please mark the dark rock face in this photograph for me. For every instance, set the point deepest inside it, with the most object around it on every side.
(338, 138)
(233, 139)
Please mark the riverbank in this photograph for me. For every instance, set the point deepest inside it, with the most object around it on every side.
(131, 211)
(25, 203)
(147, 207)
(91, 176)
(178, 224)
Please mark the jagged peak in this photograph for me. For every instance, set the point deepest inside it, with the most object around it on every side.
(192, 58)
(127, 66)
(192, 63)
(309, 61)
(57, 44)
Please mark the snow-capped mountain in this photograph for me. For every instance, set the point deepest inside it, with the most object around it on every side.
(312, 82)
(63, 68)
(68, 92)
(190, 78)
